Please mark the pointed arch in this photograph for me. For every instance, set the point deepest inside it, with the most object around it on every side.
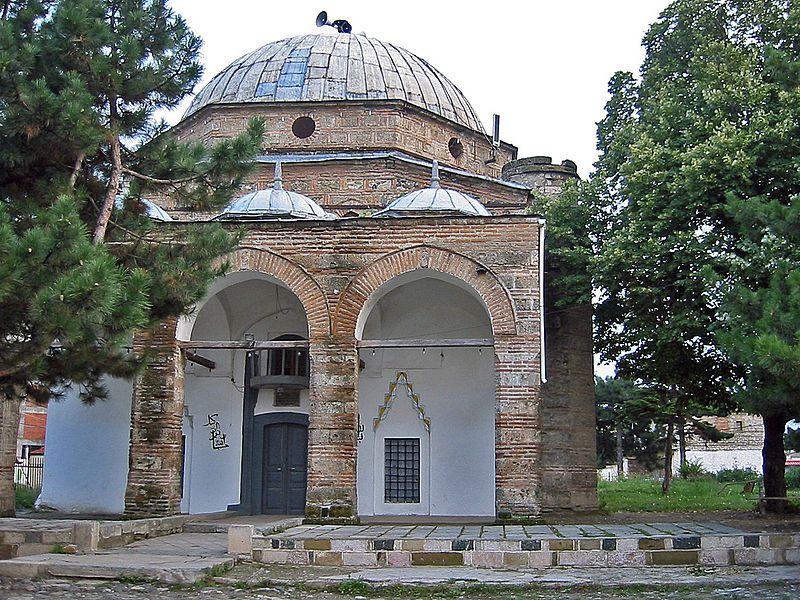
(303, 285)
(477, 276)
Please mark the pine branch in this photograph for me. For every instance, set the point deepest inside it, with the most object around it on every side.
(156, 181)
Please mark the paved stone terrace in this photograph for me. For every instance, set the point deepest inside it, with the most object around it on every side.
(503, 532)
(517, 546)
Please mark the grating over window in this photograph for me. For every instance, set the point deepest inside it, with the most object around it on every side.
(401, 472)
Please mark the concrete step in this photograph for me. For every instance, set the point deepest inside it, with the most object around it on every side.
(264, 528)
(163, 568)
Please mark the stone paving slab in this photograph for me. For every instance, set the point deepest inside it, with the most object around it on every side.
(178, 558)
(164, 568)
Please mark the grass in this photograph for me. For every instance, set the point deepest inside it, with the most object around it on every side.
(686, 495)
(26, 496)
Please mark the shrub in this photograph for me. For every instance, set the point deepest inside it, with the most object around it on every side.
(737, 474)
(692, 468)
(793, 478)
(26, 496)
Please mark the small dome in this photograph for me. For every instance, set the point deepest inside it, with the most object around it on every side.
(154, 211)
(151, 209)
(434, 199)
(275, 203)
(322, 68)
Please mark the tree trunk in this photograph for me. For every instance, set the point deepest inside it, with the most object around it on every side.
(104, 217)
(9, 429)
(665, 485)
(620, 453)
(682, 447)
(774, 462)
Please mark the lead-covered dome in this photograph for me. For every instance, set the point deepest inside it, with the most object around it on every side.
(324, 67)
(274, 203)
(434, 200)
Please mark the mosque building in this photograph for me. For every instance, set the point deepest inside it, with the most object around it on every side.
(384, 343)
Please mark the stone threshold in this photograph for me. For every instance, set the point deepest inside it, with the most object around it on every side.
(705, 550)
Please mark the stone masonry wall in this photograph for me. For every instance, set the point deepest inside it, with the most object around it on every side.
(568, 434)
(155, 454)
(747, 430)
(338, 265)
(540, 174)
(363, 186)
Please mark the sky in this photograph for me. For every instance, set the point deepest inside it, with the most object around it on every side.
(542, 65)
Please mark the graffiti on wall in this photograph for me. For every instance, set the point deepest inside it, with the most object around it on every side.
(215, 435)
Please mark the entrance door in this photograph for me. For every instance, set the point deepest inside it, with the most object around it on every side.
(282, 464)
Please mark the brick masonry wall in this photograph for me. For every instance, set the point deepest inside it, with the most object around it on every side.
(333, 268)
(363, 186)
(155, 456)
(348, 126)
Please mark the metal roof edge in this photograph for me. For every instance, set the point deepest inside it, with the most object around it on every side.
(376, 154)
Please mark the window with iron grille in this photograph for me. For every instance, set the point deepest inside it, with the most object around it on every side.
(401, 470)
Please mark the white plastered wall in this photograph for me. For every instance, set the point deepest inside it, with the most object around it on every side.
(241, 303)
(455, 386)
(714, 461)
(86, 466)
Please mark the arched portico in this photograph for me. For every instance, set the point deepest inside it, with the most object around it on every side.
(212, 404)
(516, 358)
(426, 400)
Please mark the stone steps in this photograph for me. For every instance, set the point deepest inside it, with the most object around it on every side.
(717, 550)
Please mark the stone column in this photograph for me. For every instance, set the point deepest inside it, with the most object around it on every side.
(517, 431)
(155, 456)
(332, 430)
(569, 472)
(9, 426)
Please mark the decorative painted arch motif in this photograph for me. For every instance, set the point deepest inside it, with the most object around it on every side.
(480, 278)
(303, 285)
(383, 410)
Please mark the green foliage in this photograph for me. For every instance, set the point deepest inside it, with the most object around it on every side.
(692, 469)
(699, 268)
(632, 408)
(568, 242)
(26, 496)
(80, 147)
(354, 588)
(737, 474)
(793, 478)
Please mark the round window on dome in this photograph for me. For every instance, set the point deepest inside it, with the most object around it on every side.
(456, 147)
(303, 127)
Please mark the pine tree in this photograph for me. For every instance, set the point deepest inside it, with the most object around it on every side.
(81, 266)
